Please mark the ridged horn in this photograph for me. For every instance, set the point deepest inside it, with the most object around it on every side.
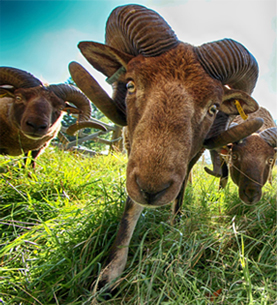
(234, 134)
(85, 124)
(73, 95)
(18, 78)
(229, 62)
(270, 136)
(135, 29)
(216, 162)
(131, 30)
(212, 172)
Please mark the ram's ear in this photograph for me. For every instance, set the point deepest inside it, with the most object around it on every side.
(104, 58)
(247, 103)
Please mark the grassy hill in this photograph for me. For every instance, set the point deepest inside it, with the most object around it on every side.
(57, 226)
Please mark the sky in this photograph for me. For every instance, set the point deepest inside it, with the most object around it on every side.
(41, 37)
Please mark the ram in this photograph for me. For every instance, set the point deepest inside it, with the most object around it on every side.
(171, 96)
(31, 114)
(250, 160)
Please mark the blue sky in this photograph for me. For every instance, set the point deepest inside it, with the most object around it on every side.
(41, 37)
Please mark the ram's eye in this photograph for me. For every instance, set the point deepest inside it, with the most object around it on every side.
(18, 98)
(212, 109)
(234, 156)
(270, 160)
(130, 86)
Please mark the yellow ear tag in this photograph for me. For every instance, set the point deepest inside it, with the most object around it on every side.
(240, 110)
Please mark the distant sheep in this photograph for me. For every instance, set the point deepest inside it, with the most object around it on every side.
(31, 114)
(171, 96)
(250, 160)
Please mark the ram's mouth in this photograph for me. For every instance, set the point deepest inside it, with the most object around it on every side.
(33, 136)
(153, 197)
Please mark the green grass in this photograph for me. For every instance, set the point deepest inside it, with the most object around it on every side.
(57, 226)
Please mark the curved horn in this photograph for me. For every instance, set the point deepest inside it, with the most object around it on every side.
(212, 172)
(135, 30)
(130, 30)
(18, 78)
(75, 96)
(234, 134)
(216, 162)
(270, 136)
(229, 62)
(85, 124)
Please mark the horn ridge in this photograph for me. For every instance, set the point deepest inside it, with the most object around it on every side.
(229, 62)
(133, 29)
(270, 136)
(234, 133)
(18, 78)
(73, 95)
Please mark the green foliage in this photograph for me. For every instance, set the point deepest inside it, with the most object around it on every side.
(58, 223)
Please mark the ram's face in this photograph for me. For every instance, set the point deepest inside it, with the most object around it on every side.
(251, 162)
(170, 109)
(173, 93)
(36, 111)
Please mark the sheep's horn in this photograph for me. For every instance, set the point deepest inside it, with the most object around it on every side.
(130, 30)
(216, 162)
(97, 95)
(212, 172)
(135, 29)
(85, 124)
(18, 78)
(229, 62)
(234, 134)
(270, 136)
(76, 97)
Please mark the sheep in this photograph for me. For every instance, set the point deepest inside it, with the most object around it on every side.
(31, 114)
(250, 160)
(171, 96)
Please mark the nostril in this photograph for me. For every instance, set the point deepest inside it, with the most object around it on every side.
(35, 126)
(30, 124)
(252, 194)
(151, 195)
(43, 126)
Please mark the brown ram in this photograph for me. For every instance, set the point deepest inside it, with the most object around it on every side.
(250, 160)
(31, 114)
(171, 96)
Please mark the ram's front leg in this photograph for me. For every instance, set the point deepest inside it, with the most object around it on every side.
(177, 204)
(34, 154)
(119, 251)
